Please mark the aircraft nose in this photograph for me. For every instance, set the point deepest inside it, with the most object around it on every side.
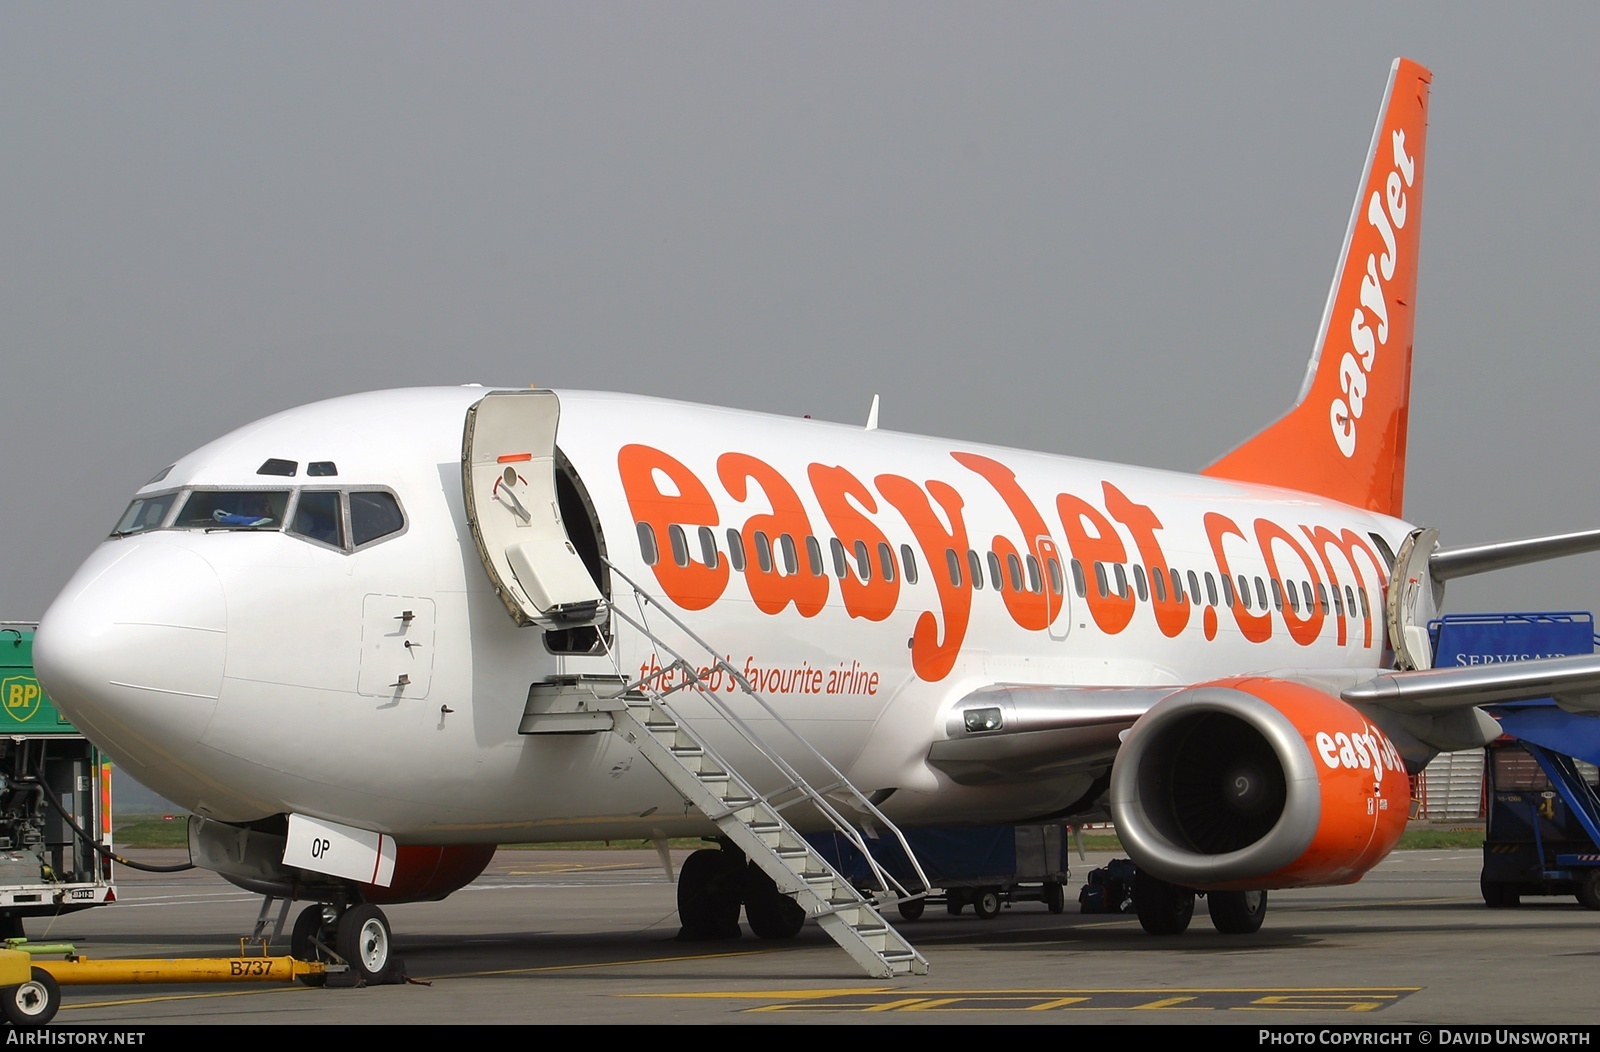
(132, 651)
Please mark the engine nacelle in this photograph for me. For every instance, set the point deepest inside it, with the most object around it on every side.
(429, 873)
(1254, 783)
(252, 858)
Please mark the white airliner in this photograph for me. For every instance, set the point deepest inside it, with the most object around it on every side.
(341, 634)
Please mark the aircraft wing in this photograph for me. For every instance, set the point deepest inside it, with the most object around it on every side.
(1574, 683)
(1011, 732)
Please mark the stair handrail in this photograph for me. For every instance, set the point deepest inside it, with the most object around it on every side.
(835, 818)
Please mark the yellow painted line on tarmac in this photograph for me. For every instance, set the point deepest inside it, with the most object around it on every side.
(761, 995)
(576, 867)
(883, 999)
(68, 1006)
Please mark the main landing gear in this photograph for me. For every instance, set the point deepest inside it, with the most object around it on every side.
(714, 883)
(1166, 909)
(357, 936)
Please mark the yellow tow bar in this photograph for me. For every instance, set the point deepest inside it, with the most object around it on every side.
(80, 971)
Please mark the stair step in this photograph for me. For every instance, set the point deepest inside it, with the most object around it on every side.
(754, 823)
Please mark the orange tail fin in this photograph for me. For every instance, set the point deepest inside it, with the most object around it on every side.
(1346, 436)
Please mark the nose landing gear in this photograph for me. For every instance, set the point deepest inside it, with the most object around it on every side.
(357, 936)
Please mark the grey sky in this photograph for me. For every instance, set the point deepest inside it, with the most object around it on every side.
(1104, 230)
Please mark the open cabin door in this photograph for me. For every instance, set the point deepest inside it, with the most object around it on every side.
(508, 477)
(1413, 600)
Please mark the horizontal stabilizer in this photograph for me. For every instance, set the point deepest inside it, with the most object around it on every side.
(1450, 563)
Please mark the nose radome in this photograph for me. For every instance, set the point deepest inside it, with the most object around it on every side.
(132, 651)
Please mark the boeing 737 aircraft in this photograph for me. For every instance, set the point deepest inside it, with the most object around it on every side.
(366, 640)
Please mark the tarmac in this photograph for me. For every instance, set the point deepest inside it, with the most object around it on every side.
(589, 937)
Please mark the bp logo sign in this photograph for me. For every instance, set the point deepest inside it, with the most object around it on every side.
(22, 697)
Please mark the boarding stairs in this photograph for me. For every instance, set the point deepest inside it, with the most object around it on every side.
(754, 821)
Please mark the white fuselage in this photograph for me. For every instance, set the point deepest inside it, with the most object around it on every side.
(250, 672)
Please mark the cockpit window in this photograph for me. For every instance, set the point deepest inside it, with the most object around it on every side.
(278, 466)
(145, 513)
(374, 514)
(318, 517)
(163, 473)
(234, 510)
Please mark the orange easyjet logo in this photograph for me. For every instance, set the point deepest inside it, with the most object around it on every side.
(670, 500)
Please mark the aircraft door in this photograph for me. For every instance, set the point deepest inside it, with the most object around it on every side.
(1413, 600)
(508, 478)
(1054, 569)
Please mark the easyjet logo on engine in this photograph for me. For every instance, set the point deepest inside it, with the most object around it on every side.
(1369, 322)
(1369, 750)
(672, 503)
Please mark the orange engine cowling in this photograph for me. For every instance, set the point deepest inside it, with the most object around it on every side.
(1253, 783)
(428, 873)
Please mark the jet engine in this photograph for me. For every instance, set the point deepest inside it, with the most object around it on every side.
(1257, 783)
(252, 858)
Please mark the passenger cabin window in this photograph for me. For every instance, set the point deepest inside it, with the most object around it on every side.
(708, 547)
(680, 545)
(908, 564)
(736, 550)
(647, 544)
(975, 567)
(841, 561)
(319, 517)
(373, 514)
(953, 564)
(814, 557)
(886, 560)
